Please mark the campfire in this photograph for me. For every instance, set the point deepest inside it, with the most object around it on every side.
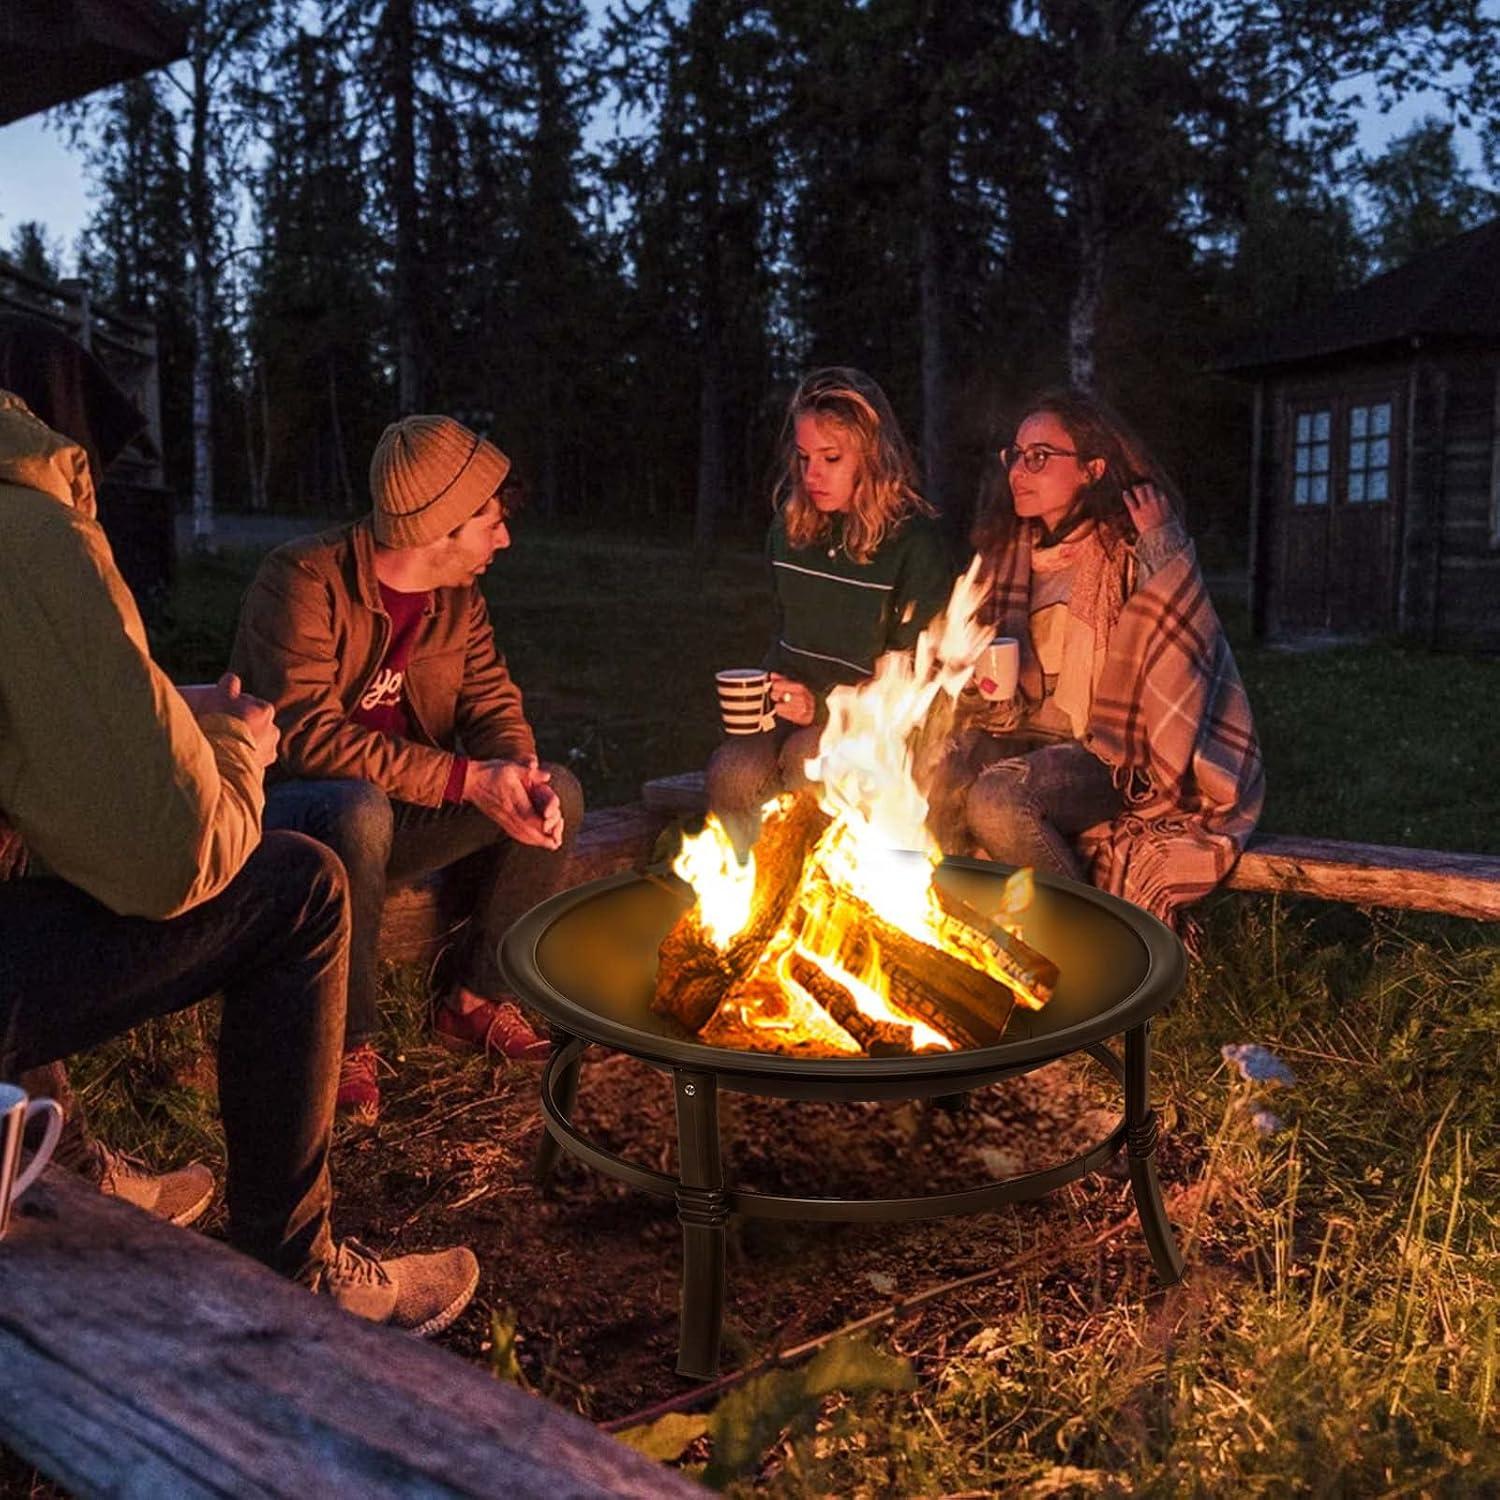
(832, 937)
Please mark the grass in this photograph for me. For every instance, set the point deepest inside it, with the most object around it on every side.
(616, 643)
(1336, 1334)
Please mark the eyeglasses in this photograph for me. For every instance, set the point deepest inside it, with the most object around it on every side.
(1034, 456)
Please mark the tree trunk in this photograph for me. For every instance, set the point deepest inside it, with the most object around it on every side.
(711, 466)
(710, 437)
(340, 457)
(254, 472)
(200, 231)
(936, 211)
(1083, 314)
(400, 28)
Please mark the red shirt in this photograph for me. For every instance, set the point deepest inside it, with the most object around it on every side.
(383, 705)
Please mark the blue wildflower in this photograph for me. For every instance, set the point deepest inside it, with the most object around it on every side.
(1257, 1064)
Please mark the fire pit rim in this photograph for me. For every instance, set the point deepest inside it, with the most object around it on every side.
(1165, 972)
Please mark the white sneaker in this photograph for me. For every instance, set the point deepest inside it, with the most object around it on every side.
(420, 1293)
(179, 1197)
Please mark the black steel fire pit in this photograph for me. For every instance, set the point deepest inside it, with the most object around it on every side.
(586, 959)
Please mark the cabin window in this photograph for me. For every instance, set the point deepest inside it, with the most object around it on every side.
(1368, 472)
(1312, 457)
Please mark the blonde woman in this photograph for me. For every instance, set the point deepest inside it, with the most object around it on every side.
(858, 567)
(1128, 754)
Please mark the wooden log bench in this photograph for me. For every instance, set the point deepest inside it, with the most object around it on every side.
(139, 1359)
(1463, 885)
(419, 918)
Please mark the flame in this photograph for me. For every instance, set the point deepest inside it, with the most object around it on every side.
(723, 883)
(870, 772)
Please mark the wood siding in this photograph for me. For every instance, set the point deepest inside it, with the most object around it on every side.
(1467, 587)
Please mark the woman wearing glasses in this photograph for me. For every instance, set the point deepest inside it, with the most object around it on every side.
(858, 567)
(1127, 754)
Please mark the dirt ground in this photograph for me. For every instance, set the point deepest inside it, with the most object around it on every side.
(589, 1268)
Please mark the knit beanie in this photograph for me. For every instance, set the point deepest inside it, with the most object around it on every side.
(428, 475)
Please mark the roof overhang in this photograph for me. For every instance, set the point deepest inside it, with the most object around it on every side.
(54, 51)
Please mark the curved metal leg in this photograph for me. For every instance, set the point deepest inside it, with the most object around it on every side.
(561, 1078)
(1141, 1134)
(702, 1209)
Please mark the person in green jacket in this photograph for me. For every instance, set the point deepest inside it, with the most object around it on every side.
(858, 566)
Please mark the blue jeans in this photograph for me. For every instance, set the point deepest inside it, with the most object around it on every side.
(749, 769)
(275, 942)
(385, 843)
(1023, 803)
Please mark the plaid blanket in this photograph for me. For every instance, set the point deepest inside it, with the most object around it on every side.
(1168, 714)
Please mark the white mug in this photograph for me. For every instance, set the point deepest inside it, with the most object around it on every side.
(745, 700)
(998, 669)
(15, 1111)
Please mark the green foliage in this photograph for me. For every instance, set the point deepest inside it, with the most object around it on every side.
(746, 1422)
(33, 252)
(503, 1361)
(666, 1438)
(1419, 193)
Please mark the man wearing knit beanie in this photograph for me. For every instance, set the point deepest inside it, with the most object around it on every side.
(404, 745)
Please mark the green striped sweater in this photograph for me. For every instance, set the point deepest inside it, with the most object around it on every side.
(834, 616)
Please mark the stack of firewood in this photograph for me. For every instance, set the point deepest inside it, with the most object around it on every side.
(717, 993)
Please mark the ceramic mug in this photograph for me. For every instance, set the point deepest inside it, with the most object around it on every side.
(16, 1112)
(998, 669)
(745, 700)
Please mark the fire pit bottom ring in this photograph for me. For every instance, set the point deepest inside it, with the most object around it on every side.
(704, 1203)
(587, 960)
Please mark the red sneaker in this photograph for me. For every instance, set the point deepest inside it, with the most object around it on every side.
(491, 1026)
(359, 1086)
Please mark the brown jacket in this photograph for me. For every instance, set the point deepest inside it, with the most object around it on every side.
(312, 633)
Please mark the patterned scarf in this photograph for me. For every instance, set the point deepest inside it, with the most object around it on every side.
(1167, 712)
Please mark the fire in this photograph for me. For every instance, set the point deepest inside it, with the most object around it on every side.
(724, 886)
(869, 774)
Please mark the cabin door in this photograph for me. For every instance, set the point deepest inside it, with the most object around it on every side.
(1362, 557)
(1303, 570)
(1337, 564)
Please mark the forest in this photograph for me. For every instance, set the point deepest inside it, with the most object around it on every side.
(613, 237)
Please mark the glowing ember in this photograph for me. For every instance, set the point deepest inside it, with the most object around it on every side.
(868, 772)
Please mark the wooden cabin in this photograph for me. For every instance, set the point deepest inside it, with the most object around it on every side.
(51, 52)
(1375, 490)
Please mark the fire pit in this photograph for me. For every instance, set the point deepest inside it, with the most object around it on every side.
(587, 960)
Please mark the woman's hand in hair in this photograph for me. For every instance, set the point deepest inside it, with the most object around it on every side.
(792, 700)
(1148, 507)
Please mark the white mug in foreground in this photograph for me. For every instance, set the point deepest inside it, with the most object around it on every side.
(744, 700)
(15, 1111)
(999, 669)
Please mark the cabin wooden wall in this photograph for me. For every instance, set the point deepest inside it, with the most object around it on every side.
(1426, 566)
(1466, 613)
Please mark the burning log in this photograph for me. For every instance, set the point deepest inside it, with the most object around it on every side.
(949, 994)
(967, 1007)
(878, 1038)
(1035, 974)
(693, 975)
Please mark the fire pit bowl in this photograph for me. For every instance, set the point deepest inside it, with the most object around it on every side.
(586, 959)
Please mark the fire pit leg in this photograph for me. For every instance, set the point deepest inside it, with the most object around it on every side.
(1141, 1133)
(702, 1209)
(565, 1094)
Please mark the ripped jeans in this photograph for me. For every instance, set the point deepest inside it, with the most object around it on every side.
(1023, 802)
